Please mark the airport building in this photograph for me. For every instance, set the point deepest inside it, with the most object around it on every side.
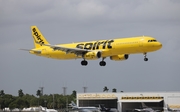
(128, 101)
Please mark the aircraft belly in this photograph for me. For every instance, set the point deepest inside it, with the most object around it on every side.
(118, 51)
(65, 56)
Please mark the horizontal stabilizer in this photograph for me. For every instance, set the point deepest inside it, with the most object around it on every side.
(35, 51)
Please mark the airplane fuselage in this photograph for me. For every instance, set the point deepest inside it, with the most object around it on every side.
(112, 47)
(116, 49)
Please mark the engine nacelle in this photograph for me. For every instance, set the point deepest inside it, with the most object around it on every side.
(92, 55)
(119, 57)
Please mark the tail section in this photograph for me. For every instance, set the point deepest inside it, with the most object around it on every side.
(143, 105)
(38, 37)
(74, 106)
(102, 108)
(168, 108)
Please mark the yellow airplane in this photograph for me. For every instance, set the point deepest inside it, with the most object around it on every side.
(117, 49)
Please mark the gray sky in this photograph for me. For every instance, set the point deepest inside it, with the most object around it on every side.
(66, 21)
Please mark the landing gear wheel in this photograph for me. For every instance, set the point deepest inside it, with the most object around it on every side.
(102, 63)
(84, 62)
(145, 59)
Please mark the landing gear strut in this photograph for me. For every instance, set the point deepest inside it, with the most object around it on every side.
(145, 58)
(102, 63)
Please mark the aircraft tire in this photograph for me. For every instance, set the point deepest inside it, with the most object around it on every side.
(102, 63)
(84, 62)
(145, 59)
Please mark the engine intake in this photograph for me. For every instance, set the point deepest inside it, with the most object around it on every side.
(119, 57)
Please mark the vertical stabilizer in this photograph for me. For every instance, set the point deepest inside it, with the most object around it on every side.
(143, 105)
(74, 105)
(38, 37)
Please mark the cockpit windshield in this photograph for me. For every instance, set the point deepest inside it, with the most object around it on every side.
(152, 40)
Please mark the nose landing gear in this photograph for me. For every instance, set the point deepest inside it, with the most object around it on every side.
(145, 58)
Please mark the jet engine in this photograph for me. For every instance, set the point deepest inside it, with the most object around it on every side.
(92, 55)
(119, 57)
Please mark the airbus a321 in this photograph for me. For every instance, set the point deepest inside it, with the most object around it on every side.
(116, 49)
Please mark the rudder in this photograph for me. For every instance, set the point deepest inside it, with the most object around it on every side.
(38, 37)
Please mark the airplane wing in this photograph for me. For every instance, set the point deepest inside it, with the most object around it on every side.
(77, 51)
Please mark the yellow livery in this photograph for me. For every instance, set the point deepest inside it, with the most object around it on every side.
(117, 49)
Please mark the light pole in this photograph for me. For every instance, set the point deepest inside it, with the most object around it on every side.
(53, 101)
(45, 103)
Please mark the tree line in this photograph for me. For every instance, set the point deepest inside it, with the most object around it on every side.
(56, 101)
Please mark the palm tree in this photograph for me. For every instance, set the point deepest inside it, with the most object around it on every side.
(20, 92)
(38, 93)
(105, 89)
(2, 93)
(74, 93)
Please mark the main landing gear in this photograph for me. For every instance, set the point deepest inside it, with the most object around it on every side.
(145, 58)
(84, 62)
(101, 63)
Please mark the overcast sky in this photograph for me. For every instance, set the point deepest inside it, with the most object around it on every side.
(66, 21)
